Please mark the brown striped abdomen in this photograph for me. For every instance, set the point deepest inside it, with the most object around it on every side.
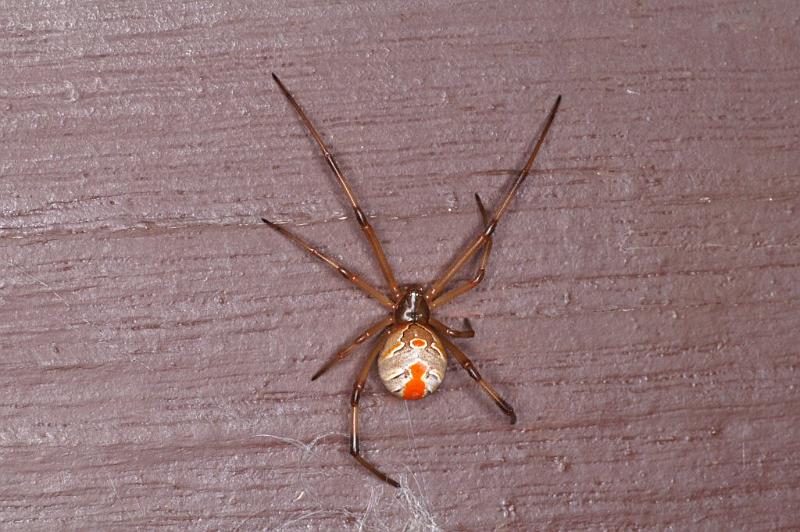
(413, 361)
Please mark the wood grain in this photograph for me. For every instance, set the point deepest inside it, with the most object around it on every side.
(641, 310)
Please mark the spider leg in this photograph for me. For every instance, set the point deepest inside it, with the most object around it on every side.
(466, 333)
(342, 353)
(475, 281)
(357, 389)
(473, 372)
(436, 288)
(366, 227)
(347, 274)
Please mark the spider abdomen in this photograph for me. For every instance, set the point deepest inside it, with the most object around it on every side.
(412, 362)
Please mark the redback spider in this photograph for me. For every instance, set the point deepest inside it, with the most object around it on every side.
(410, 345)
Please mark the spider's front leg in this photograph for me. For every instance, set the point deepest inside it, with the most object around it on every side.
(361, 218)
(360, 283)
(469, 284)
(434, 291)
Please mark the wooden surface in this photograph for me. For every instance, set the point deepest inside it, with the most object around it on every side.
(641, 310)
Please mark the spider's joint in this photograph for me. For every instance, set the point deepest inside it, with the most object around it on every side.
(331, 161)
(471, 371)
(356, 395)
(360, 216)
(346, 274)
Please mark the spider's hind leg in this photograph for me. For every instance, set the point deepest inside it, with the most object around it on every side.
(467, 364)
(358, 387)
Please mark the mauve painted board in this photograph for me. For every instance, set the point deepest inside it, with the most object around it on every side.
(641, 310)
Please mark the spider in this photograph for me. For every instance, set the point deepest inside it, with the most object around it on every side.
(410, 345)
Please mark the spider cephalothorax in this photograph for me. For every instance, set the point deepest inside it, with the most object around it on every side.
(410, 345)
(412, 307)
